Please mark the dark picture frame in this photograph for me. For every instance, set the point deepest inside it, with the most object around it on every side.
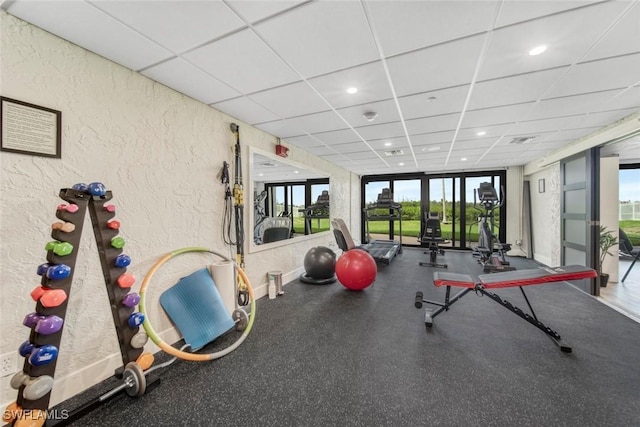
(30, 129)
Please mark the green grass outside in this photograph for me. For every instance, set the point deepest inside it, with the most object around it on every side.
(632, 228)
(411, 228)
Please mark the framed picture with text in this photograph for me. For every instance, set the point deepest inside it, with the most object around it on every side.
(30, 129)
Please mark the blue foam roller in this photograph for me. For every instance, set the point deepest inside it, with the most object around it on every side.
(196, 308)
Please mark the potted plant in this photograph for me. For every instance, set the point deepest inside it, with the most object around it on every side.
(608, 240)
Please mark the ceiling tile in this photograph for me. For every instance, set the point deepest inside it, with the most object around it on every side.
(386, 111)
(434, 103)
(513, 90)
(221, 60)
(329, 36)
(296, 99)
(524, 10)
(178, 74)
(83, 24)
(568, 36)
(370, 80)
(432, 138)
(433, 124)
(389, 143)
(245, 109)
(569, 105)
(321, 150)
(403, 26)
(304, 141)
(337, 137)
(281, 128)
(351, 147)
(629, 98)
(485, 118)
(471, 144)
(442, 66)
(626, 29)
(319, 122)
(386, 130)
(176, 25)
(597, 76)
(255, 10)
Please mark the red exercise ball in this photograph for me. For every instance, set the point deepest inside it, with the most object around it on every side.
(356, 269)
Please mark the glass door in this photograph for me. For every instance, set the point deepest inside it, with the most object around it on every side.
(444, 200)
(407, 192)
(375, 230)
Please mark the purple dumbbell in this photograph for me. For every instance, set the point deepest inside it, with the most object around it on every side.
(45, 325)
(122, 261)
(43, 355)
(49, 325)
(58, 272)
(32, 319)
(135, 320)
(131, 300)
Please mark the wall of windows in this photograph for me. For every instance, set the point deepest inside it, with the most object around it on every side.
(450, 196)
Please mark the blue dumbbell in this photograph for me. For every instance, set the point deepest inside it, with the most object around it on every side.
(97, 189)
(81, 187)
(135, 320)
(122, 260)
(58, 272)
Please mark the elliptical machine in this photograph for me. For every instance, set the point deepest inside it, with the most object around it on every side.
(487, 241)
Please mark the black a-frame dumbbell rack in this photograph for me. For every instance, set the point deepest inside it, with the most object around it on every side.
(78, 202)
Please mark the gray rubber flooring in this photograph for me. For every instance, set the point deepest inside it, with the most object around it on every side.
(327, 356)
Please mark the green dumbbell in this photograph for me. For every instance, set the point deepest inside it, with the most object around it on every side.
(59, 248)
(117, 242)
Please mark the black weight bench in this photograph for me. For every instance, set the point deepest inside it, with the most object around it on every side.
(520, 278)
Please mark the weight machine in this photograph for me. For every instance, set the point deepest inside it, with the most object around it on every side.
(432, 237)
(487, 241)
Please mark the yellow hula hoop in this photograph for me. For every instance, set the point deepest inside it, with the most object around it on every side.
(151, 333)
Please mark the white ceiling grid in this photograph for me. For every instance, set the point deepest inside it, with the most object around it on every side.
(436, 72)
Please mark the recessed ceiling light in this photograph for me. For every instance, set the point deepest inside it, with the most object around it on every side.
(400, 164)
(537, 50)
(481, 133)
(296, 171)
(370, 115)
(352, 90)
(260, 174)
(436, 148)
(463, 159)
(387, 144)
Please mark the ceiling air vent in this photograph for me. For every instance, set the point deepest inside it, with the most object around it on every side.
(394, 153)
(523, 139)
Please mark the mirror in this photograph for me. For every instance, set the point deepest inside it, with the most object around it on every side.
(290, 200)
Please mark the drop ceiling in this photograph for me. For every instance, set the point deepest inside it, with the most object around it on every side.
(451, 82)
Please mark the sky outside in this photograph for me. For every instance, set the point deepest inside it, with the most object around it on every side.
(409, 190)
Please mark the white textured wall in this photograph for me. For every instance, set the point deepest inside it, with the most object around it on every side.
(159, 152)
(515, 218)
(609, 207)
(546, 215)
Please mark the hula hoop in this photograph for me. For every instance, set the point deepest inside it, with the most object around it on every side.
(151, 333)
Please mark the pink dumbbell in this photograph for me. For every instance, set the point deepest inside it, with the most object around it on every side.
(110, 208)
(69, 208)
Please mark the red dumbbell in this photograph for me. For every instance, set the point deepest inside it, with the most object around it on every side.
(126, 280)
(49, 297)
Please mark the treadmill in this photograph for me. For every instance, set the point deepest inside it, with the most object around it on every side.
(317, 210)
(383, 209)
